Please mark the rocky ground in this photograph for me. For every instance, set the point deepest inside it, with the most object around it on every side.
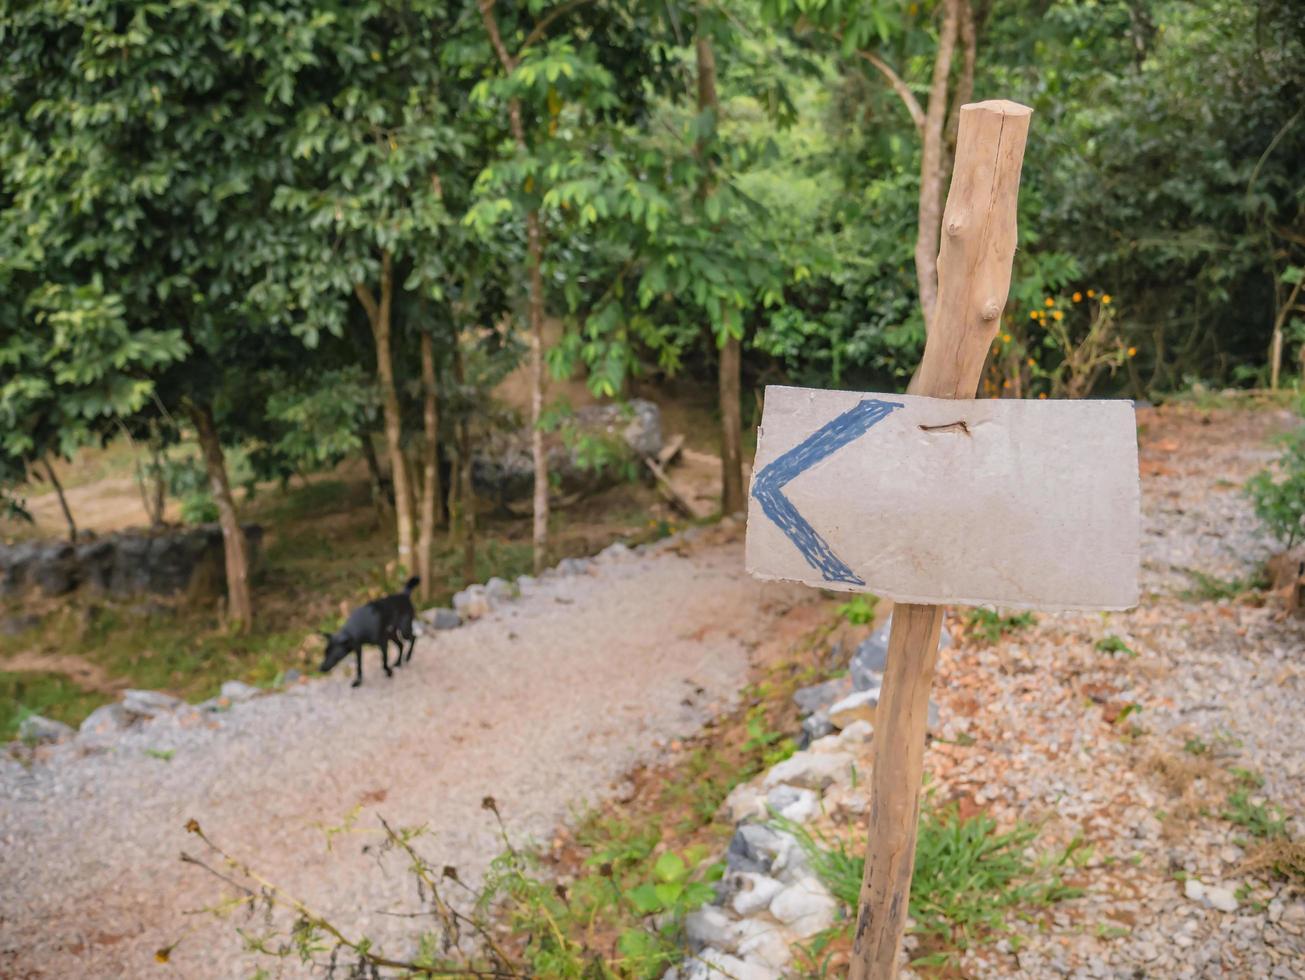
(1127, 749)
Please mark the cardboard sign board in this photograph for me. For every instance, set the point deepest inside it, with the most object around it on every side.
(1023, 504)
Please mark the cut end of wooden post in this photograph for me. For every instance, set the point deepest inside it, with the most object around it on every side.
(1003, 107)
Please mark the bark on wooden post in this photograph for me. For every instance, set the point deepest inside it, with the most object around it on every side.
(974, 270)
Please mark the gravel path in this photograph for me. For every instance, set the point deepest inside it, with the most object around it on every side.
(543, 705)
(1136, 754)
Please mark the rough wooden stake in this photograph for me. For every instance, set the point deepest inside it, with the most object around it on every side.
(974, 270)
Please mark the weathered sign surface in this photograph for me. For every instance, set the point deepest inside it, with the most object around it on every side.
(1025, 504)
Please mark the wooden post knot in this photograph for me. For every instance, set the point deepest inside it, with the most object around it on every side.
(992, 309)
(955, 226)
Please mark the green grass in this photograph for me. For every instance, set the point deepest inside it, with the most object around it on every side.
(1211, 588)
(1113, 644)
(968, 877)
(991, 626)
(25, 693)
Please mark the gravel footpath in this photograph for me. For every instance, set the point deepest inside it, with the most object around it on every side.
(543, 705)
(1135, 754)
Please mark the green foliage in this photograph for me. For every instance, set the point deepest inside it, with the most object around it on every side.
(772, 746)
(860, 610)
(1255, 817)
(990, 625)
(1278, 493)
(968, 877)
(1113, 644)
(24, 693)
(1211, 588)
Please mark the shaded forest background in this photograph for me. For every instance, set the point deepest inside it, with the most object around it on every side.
(291, 230)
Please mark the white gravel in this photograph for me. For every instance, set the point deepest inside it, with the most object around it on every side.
(542, 705)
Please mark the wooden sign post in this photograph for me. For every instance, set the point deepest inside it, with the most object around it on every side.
(890, 494)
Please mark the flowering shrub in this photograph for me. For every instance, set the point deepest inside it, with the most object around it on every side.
(1062, 349)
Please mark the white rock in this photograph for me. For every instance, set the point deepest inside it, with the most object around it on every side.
(857, 706)
(805, 906)
(856, 733)
(810, 770)
(754, 892)
(472, 602)
(149, 704)
(711, 926)
(792, 803)
(1221, 898)
(826, 745)
(237, 691)
(764, 942)
(713, 964)
(745, 802)
(499, 590)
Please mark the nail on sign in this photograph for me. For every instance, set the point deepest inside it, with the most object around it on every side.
(1026, 504)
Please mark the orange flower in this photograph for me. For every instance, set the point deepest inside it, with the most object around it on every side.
(1031, 362)
(1105, 299)
(1005, 338)
(1033, 314)
(1042, 394)
(1132, 352)
(1049, 301)
(1077, 296)
(1005, 384)
(1057, 315)
(1091, 293)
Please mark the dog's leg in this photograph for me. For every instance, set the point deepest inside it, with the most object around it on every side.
(357, 681)
(385, 656)
(412, 642)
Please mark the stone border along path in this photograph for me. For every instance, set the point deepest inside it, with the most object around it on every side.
(1032, 729)
(544, 702)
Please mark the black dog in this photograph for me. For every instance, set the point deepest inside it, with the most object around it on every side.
(377, 623)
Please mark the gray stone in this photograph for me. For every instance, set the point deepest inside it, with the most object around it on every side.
(1221, 898)
(715, 964)
(149, 704)
(810, 770)
(472, 602)
(748, 851)
(239, 691)
(440, 618)
(105, 720)
(805, 906)
(37, 728)
(752, 892)
(614, 552)
(499, 590)
(710, 926)
(871, 657)
(815, 726)
(291, 676)
(817, 696)
(765, 943)
(792, 803)
(573, 566)
(858, 706)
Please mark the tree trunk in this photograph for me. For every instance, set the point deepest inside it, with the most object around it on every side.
(535, 244)
(535, 311)
(969, 36)
(731, 435)
(63, 501)
(931, 167)
(430, 484)
(380, 316)
(379, 500)
(730, 365)
(240, 607)
(466, 493)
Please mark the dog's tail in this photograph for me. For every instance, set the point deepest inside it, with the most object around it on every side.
(411, 584)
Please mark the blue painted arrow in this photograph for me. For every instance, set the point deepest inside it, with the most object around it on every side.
(825, 441)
